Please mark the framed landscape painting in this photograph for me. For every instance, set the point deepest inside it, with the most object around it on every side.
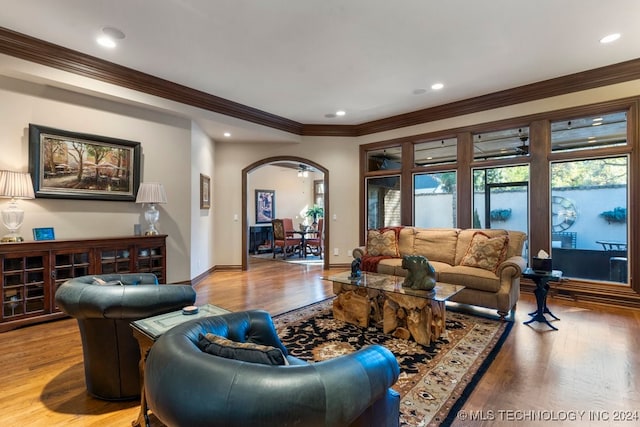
(72, 165)
(265, 205)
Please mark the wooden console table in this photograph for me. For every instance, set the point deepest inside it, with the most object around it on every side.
(404, 312)
(31, 272)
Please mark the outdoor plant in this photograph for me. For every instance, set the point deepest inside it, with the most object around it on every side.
(500, 214)
(617, 215)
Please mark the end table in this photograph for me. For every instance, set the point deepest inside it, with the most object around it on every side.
(148, 330)
(542, 280)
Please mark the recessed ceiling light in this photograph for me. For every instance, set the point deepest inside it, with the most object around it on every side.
(419, 91)
(340, 113)
(227, 134)
(109, 37)
(610, 38)
(437, 86)
(330, 115)
(105, 41)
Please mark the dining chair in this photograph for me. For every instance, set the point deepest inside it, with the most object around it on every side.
(315, 242)
(283, 238)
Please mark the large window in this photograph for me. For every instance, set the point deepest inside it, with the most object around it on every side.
(589, 218)
(434, 199)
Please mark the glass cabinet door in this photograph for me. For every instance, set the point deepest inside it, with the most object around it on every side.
(23, 285)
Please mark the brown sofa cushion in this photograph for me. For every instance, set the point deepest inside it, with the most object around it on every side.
(437, 244)
(470, 278)
(486, 252)
(382, 243)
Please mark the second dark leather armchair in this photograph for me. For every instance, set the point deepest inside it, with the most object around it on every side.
(186, 387)
(104, 314)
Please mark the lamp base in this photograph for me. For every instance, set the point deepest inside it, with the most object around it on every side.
(11, 238)
(151, 233)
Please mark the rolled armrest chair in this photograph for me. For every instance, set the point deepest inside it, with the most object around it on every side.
(185, 386)
(104, 306)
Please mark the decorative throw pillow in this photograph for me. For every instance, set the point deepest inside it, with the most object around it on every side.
(381, 243)
(245, 351)
(485, 252)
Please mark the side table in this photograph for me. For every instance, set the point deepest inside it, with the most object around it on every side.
(148, 330)
(542, 280)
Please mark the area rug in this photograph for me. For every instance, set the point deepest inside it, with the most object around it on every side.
(434, 381)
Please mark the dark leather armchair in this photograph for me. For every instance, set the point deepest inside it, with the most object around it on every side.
(185, 386)
(104, 313)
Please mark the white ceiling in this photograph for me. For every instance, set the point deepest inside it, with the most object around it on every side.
(302, 59)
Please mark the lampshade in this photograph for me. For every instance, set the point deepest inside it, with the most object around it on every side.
(14, 185)
(151, 192)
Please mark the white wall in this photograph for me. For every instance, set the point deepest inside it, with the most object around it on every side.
(202, 220)
(165, 141)
(338, 155)
(293, 194)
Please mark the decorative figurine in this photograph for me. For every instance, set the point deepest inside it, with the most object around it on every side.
(355, 269)
(421, 275)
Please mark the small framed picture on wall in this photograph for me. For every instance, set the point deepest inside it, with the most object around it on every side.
(205, 192)
(265, 205)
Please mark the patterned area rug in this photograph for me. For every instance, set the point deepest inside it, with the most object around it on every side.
(434, 381)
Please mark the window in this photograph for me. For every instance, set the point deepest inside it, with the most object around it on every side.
(434, 199)
(383, 202)
(501, 198)
(435, 152)
(590, 132)
(503, 143)
(589, 218)
(384, 159)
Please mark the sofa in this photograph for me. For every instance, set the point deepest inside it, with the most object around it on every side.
(487, 262)
(104, 306)
(239, 382)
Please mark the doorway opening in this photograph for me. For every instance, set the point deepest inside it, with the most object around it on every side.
(282, 187)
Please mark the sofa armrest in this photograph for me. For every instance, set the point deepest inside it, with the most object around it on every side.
(359, 252)
(513, 267)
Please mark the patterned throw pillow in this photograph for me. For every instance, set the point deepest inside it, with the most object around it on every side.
(486, 252)
(382, 243)
(245, 351)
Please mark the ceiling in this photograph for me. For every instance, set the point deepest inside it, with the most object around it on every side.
(303, 60)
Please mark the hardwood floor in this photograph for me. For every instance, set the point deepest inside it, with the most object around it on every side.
(592, 363)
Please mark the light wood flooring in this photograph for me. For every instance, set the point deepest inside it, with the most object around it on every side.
(591, 364)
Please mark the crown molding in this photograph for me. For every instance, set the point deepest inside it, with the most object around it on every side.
(55, 56)
(35, 50)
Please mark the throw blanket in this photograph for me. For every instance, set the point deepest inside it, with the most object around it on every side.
(369, 262)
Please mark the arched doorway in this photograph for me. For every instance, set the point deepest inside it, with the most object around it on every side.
(246, 214)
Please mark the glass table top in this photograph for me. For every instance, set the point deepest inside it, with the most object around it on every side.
(388, 283)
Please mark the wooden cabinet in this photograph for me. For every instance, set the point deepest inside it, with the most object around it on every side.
(31, 272)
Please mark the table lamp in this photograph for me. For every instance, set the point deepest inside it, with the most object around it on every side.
(151, 193)
(14, 185)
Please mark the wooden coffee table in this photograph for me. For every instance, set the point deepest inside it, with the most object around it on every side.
(148, 330)
(404, 312)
